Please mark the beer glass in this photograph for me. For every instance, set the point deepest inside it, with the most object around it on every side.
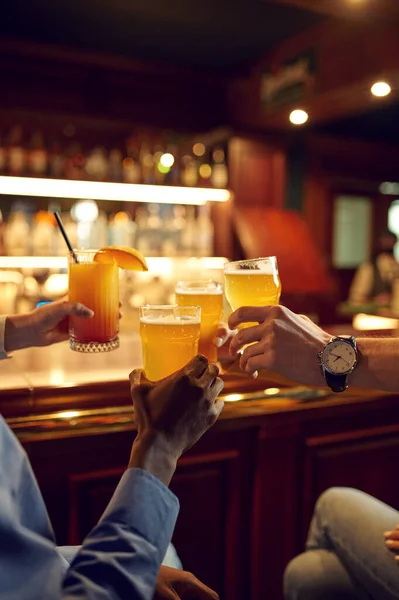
(209, 296)
(252, 283)
(169, 337)
(96, 285)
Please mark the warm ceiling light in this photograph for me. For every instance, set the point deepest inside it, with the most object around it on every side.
(381, 89)
(99, 190)
(299, 117)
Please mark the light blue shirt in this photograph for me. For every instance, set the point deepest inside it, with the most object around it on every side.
(119, 559)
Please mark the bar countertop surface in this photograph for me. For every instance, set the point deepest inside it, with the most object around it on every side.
(55, 389)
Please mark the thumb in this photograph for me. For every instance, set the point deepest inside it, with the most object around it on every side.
(223, 334)
(137, 377)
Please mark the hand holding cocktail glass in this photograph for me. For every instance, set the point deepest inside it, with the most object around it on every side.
(93, 280)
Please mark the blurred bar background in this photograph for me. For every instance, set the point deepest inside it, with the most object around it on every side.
(199, 133)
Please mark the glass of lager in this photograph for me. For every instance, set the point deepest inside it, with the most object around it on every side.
(252, 283)
(209, 296)
(169, 337)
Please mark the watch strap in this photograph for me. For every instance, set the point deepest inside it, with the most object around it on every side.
(337, 383)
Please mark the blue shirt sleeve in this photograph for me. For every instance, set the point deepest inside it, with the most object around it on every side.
(120, 558)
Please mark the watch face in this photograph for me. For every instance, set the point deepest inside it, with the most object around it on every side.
(339, 357)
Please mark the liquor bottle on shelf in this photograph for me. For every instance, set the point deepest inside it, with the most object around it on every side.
(219, 177)
(159, 169)
(170, 238)
(56, 163)
(2, 233)
(17, 233)
(99, 231)
(205, 173)
(189, 174)
(189, 233)
(16, 153)
(42, 233)
(75, 162)
(154, 229)
(141, 221)
(131, 165)
(115, 167)
(170, 162)
(96, 167)
(122, 230)
(37, 158)
(147, 162)
(205, 231)
(3, 156)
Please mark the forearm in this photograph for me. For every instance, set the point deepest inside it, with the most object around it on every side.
(121, 557)
(152, 454)
(378, 366)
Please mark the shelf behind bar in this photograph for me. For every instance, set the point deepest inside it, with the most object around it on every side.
(102, 190)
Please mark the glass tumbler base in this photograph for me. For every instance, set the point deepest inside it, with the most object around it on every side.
(93, 347)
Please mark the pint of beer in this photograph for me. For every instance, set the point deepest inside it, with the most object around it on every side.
(209, 296)
(169, 337)
(252, 282)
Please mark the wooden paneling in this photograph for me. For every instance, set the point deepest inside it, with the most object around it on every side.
(276, 509)
(361, 459)
(283, 233)
(336, 167)
(89, 85)
(349, 58)
(246, 489)
(257, 173)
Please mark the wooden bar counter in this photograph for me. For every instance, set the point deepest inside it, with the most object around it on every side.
(247, 489)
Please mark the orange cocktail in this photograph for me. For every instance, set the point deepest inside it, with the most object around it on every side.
(96, 285)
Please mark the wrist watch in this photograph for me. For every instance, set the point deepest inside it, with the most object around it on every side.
(338, 359)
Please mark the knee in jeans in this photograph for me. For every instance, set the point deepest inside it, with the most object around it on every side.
(331, 497)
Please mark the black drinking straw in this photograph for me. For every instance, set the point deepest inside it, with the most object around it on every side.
(64, 235)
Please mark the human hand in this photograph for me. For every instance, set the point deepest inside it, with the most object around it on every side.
(283, 342)
(43, 326)
(173, 413)
(392, 541)
(173, 584)
(221, 340)
(223, 335)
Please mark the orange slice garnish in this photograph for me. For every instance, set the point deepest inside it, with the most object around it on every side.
(124, 256)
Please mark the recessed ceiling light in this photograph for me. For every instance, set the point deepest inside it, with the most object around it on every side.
(381, 89)
(299, 117)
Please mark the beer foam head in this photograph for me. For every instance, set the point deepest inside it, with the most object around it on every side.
(212, 291)
(170, 320)
(266, 269)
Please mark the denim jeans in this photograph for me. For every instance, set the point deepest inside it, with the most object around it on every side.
(346, 557)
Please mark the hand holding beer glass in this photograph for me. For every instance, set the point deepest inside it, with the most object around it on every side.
(169, 337)
(209, 296)
(253, 282)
